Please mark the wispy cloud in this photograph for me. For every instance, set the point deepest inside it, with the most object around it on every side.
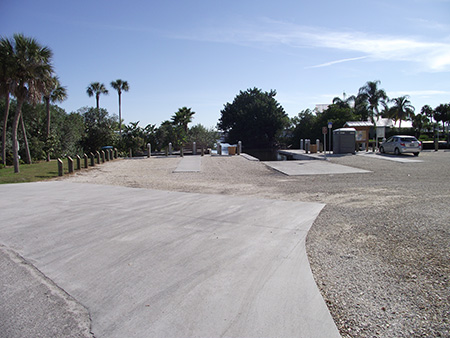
(326, 64)
(430, 55)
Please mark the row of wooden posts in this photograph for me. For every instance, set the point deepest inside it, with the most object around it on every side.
(91, 160)
(111, 154)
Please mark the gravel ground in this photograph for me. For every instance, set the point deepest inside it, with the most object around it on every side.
(379, 250)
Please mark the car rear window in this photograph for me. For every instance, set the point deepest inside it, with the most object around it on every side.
(408, 139)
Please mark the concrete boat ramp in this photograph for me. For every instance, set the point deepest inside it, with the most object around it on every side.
(309, 164)
(129, 262)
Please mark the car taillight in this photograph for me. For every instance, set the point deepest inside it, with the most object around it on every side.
(402, 144)
(420, 143)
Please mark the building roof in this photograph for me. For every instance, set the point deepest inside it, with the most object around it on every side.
(385, 122)
(358, 124)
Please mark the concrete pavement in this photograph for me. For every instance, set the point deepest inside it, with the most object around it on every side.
(297, 168)
(191, 163)
(150, 263)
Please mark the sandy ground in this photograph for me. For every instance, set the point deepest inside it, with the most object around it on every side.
(379, 250)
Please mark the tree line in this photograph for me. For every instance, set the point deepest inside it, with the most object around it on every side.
(257, 119)
(30, 88)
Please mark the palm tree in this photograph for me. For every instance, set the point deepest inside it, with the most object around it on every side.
(6, 70)
(402, 109)
(374, 96)
(32, 68)
(427, 111)
(345, 102)
(54, 92)
(120, 85)
(96, 88)
(183, 117)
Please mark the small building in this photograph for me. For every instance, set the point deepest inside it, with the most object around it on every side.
(344, 141)
(362, 132)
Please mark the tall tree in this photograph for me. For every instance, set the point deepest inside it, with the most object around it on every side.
(6, 84)
(32, 68)
(54, 92)
(255, 118)
(374, 96)
(96, 88)
(183, 117)
(402, 109)
(120, 86)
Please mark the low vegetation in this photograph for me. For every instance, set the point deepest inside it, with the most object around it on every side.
(38, 171)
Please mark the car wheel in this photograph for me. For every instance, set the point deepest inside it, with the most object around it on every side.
(416, 154)
(382, 150)
(397, 151)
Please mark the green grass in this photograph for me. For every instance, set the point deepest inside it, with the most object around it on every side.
(38, 171)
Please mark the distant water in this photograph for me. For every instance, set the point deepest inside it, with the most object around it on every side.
(266, 154)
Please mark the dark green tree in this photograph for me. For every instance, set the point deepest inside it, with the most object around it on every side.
(99, 129)
(304, 126)
(165, 134)
(204, 137)
(255, 118)
(442, 114)
(133, 137)
(420, 122)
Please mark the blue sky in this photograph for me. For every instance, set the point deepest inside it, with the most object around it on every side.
(200, 54)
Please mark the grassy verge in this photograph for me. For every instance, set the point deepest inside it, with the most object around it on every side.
(38, 171)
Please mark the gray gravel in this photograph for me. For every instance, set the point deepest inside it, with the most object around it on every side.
(379, 250)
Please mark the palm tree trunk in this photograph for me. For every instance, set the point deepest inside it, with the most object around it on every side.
(47, 103)
(120, 115)
(5, 124)
(97, 98)
(15, 125)
(27, 148)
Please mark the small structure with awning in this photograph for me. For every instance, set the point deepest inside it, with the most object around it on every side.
(362, 132)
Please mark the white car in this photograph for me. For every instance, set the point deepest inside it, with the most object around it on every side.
(400, 144)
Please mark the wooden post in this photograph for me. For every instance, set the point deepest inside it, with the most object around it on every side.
(85, 157)
(181, 152)
(194, 148)
(78, 162)
(111, 154)
(97, 156)
(203, 151)
(92, 160)
(103, 156)
(115, 153)
(149, 148)
(131, 153)
(70, 164)
(167, 152)
(239, 148)
(107, 154)
(60, 167)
